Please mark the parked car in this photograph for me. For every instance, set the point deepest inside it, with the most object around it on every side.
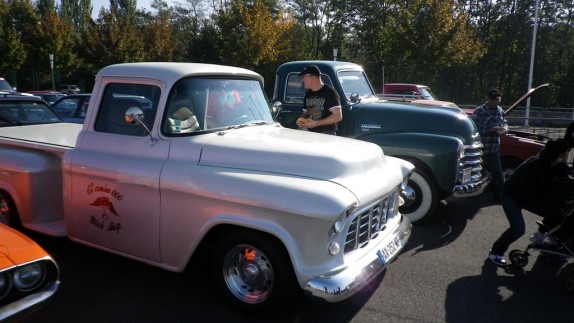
(17, 110)
(156, 184)
(28, 275)
(69, 89)
(73, 107)
(48, 95)
(443, 145)
(6, 88)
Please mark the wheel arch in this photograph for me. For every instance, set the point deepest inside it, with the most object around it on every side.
(220, 230)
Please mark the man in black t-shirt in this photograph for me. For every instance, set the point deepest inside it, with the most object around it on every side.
(321, 105)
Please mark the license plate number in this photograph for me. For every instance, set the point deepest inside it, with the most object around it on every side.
(388, 251)
(466, 175)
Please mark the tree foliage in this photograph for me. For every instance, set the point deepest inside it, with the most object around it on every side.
(460, 48)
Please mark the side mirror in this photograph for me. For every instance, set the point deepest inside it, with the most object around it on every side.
(276, 109)
(135, 116)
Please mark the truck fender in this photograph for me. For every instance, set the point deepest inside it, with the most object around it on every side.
(436, 153)
(23, 176)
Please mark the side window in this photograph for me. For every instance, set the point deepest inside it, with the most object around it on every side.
(295, 92)
(118, 98)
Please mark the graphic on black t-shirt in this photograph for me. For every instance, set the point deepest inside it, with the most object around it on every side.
(317, 105)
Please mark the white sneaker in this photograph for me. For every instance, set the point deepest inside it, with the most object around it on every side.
(496, 259)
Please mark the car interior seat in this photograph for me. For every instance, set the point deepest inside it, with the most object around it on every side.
(180, 117)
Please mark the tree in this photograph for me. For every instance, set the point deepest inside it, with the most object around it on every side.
(113, 38)
(12, 51)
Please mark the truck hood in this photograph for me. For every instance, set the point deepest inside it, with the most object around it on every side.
(272, 148)
(372, 118)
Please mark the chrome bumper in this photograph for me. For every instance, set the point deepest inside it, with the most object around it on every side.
(473, 189)
(342, 285)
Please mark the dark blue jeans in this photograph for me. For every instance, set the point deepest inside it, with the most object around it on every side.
(494, 166)
(513, 212)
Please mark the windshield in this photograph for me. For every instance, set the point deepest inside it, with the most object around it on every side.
(355, 82)
(198, 104)
(14, 113)
(427, 93)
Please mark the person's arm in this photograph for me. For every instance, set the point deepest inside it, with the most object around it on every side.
(336, 116)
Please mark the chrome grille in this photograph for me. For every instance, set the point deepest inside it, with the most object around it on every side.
(367, 222)
(472, 159)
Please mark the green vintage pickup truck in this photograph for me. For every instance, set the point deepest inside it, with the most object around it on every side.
(444, 145)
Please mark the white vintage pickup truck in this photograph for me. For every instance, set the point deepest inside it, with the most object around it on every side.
(174, 155)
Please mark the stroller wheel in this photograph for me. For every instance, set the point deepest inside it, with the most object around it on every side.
(569, 283)
(518, 258)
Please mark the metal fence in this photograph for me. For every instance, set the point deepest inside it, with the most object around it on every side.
(551, 122)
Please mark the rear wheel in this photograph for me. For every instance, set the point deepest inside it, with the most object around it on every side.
(252, 271)
(8, 215)
(420, 198)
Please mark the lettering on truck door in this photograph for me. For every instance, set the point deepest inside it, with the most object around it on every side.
(115, 176)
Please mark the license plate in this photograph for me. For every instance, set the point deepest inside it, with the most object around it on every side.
(388, 251)
(466, 175)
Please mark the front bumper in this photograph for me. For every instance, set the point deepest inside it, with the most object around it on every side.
(342, 285)
(472, 189)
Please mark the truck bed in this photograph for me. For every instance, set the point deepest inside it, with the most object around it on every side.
(54, 137)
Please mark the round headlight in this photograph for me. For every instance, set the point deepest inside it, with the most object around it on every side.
(4, 284)
(334, 248)
(28, 277)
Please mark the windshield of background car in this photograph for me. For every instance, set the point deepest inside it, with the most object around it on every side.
(295, 92)
(197, 104)
(355, 82)
(19, 112)
(5, 86)
(427, 94)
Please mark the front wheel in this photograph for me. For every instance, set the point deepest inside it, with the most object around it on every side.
(518, 258)
(252, 271)
(420, 198)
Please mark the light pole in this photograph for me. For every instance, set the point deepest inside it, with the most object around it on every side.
(52, 68)
(527, 115)
(335, 50)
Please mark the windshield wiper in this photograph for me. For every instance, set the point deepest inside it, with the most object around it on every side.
(250, 123)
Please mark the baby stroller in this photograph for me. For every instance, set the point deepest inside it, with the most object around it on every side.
(550, 248)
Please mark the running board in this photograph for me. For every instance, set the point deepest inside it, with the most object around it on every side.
(55, 228)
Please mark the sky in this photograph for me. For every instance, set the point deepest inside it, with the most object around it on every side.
(98, 4)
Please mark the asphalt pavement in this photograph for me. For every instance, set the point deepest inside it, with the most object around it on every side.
(441, 276)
